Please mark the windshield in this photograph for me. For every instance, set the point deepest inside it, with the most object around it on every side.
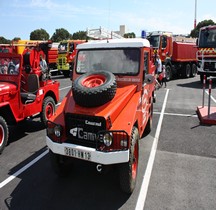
(62, 47)
(118, 61)
(9, 66)
(207, 38)
(154, 41)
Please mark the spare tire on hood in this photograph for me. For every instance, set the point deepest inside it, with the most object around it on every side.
(94, 88)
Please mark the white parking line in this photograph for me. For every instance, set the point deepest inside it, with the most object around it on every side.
(213, 99)
(10, 178)
(146, 178)
(176, 114)
(65, 88)
(16, 174)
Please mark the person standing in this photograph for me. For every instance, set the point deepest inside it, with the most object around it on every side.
(163, 76)
(159, 68)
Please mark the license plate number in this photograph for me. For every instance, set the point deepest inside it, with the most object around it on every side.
(77, 153)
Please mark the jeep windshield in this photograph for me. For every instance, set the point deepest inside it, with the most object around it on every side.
(118, 61)
(207, 38)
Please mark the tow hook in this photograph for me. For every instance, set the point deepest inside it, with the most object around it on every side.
(99, 168)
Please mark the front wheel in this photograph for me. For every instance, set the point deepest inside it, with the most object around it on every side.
(128, 171)
(60, 164)
(4, 134)
(48, 109)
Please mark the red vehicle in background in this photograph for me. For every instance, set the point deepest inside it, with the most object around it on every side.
(66, 55)
(206, 54)
(25, 90)
(178, 55)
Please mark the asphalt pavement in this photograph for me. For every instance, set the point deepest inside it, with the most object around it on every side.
(177, 163)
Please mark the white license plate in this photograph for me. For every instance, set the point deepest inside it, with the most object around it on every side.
(77, 153)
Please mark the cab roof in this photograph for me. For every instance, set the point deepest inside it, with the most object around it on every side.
(115, 43)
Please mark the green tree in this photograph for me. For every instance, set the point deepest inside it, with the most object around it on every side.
(61, 34)
(80, 35)
(195, 32)
(130, 35)
(4, 41)
(16, 38)
(39, 34)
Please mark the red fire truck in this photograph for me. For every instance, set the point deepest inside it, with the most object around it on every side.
(206, 54)
(107, 110)
(66, 55)
(179, 57)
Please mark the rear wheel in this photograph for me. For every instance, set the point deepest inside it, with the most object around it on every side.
(168, 73)
(128, 171)
(4, 134)
(149, 123)
(48, 109)
(187, 72)
(193, 70)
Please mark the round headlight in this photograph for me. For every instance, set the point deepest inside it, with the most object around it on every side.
(107, 139)
(58, 130)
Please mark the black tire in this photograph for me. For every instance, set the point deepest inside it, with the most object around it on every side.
(48, 109)
(128, 171)
(60, 164)
(66, 73)
(101, 88)
(149, 125)
(193, 70)
(168, 73)
(4, 134)
(187, 71)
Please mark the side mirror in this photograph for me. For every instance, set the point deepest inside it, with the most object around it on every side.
(149, 79)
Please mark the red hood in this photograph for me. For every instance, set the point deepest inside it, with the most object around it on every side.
(7, 88)
(110, 109)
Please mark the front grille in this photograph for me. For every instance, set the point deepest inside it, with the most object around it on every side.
(210, 66)
(83, 129)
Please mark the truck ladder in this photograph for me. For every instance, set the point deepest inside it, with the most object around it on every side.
(102, 33)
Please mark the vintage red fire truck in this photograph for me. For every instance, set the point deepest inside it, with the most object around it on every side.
(24, 89)
(108, 109)
(179, 57)
(66, 55)
(206, 54)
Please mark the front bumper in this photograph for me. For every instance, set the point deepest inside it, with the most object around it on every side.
(207, 73)
(105, 158)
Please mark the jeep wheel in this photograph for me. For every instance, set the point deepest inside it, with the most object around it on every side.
(60, 164)
(4, 134)
(48, 109)
(94, 88)
(128, 171)
(148, 127)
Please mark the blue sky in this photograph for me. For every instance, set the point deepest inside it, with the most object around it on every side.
(18, 18)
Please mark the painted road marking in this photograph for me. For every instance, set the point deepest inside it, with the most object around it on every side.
(146, 178)
(10, 178)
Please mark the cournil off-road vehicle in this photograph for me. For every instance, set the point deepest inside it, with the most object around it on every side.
(108, 109)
